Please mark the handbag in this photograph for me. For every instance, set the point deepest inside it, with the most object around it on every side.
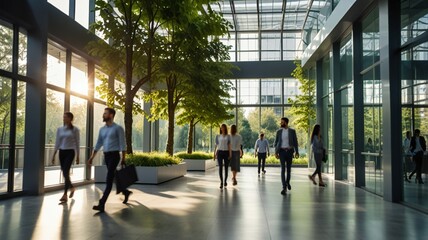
(324, 155)
(125, 177)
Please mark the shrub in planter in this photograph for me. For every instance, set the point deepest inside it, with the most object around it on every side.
(195, 155)
(250, 159)
(152, 159)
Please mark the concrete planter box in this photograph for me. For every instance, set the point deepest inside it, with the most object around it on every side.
(200, 164)
(148, 175)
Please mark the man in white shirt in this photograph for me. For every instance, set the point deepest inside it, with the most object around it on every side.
(112, 138)
(286, 145)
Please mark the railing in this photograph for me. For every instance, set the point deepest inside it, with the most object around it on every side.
(49, 150)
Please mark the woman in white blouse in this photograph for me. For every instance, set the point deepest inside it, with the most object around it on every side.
(67, 142)
(223, 153)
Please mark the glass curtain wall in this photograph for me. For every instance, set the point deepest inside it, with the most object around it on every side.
(259, 105)
(414, 95)
(372, 100)
(13, 62)
(67, 90)
(327, 101)
(347, 109)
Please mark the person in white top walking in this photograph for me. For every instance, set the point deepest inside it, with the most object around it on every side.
(223, 154)
(68, 143)
(235, 145)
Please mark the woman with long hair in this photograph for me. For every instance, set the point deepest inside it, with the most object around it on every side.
(67, 142)
(223, 153)
(318, 152)
(235, 145)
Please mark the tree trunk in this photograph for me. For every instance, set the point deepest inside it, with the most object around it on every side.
(129, 100)
(128, 125)
(170, 141)
(190, 137)
(171, 115)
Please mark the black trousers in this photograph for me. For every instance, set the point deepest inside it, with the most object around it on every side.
(418, 165)
(66, 158)
(112, 160)
(318, 162)
(223, 160)
(285, 157)
(262, 160)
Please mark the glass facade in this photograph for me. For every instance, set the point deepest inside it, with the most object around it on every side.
(348, 67)
(264, 30)
(13, 56)
(414, 83)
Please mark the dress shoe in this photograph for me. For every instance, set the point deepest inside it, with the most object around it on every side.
(288, 186)
(63, 199)
(321, 184)
(225, 184)
(72, 192)
(126, 194)
(221, 185)
(99, 208)
(312, 179)
(264, 171)
(284, 191)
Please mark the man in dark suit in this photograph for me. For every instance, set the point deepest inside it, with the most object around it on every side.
(417, 147)
(285, 146)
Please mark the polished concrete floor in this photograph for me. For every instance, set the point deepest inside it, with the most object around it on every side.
(193, 207)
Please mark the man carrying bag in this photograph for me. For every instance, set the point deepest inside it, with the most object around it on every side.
(112, 138)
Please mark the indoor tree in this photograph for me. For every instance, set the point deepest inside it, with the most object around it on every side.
(192, 30)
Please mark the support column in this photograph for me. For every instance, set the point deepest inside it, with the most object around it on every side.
(90, 119)
(319, 108)
(319, 94)
(390, 61)
(34, 152)
(337, 113)
(360, 178)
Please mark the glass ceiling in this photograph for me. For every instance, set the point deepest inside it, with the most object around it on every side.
(266, 15)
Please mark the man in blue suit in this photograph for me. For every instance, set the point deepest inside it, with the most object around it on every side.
(286, 146)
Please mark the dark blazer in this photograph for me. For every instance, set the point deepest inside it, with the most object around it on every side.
(292, 139)
(421, 141)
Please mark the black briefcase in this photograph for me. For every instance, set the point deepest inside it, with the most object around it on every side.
(125, 177)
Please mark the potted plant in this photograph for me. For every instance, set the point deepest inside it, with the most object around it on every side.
(198, 161)
(152, 168)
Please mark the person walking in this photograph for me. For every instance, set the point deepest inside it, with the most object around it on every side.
(318, 153)
(68, 143)
(223, 154)
(261, 151)
(407, 155)
(235, 145)
(417, 147)
(112, 138)
(285, 146)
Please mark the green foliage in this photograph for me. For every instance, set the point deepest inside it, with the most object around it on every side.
(195, 155)
(303, 107)
(152, 159)
(249, 137)
(191, 65)
(250, 159)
